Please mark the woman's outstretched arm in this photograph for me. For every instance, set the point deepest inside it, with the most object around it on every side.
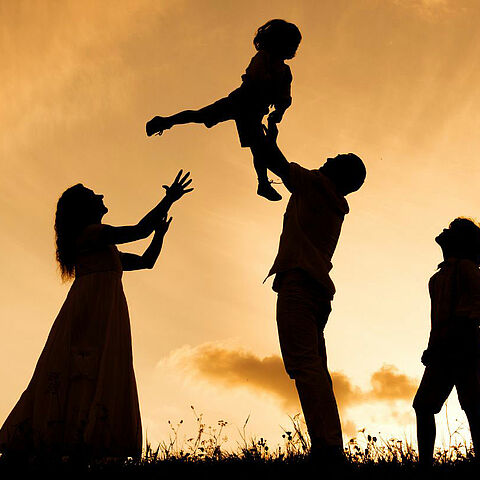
(116, 235)
(131, 261)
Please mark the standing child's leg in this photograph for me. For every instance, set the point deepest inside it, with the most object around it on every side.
(473, 415)
(426, 432)
(434, 389)
(468, 385)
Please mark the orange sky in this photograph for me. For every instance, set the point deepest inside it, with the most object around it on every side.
(395, 81)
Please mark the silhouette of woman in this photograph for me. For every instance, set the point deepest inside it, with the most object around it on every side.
(82, 399)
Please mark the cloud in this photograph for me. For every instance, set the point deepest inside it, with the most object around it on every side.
(389, 385)
(237, 368)
(403, 418)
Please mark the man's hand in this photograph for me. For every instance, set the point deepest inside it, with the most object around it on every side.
(275, 116)
(163, 225)
(178, 188)
(271, 133)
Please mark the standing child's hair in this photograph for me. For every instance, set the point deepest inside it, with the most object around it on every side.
(462, 239)
(279, 37)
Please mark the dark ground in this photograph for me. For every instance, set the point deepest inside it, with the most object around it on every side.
(236, 468)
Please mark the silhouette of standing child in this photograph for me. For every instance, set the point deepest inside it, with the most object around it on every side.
(453, 354)
(82, 399)
(266, 82)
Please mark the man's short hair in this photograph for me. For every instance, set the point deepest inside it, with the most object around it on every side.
(352, 172)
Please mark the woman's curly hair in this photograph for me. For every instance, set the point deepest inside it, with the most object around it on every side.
(71, 217)
(279, 37)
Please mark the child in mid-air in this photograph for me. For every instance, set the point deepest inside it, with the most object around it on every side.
(453, 354)
(265, 83)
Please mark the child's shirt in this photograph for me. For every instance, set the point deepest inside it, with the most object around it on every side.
(269, 79)
(455, 301)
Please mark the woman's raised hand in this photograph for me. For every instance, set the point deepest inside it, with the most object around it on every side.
(179, 187)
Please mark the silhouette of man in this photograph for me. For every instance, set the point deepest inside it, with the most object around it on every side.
(453, 354)
(311, 229)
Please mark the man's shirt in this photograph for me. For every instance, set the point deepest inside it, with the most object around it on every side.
(311, 226)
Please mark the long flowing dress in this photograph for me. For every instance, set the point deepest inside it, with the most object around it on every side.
(83, 394)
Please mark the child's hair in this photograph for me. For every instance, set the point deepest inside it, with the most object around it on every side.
(279, 37)
(463, 238)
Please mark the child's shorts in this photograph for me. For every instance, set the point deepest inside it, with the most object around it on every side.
(248, 117)
(439, 379)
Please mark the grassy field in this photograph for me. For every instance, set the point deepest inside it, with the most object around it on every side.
(250, 465)
(204, 456)
(374, 462)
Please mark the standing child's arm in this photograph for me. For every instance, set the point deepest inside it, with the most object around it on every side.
(469, 307)
(437, 344)
(440, 319)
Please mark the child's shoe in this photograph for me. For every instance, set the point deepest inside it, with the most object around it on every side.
(266, 190)
(156, 126)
